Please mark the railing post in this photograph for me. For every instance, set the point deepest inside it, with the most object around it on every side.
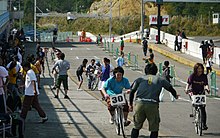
(172, 73)
(129, 58)
(116, 53)
(213, 83)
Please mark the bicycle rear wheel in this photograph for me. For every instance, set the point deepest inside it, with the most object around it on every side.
(117, 121)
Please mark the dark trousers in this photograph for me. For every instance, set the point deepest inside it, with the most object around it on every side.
(28, 101)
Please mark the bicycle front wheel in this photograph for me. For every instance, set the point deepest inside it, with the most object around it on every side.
(117, 121)
(199, 121)
(122, 122)
(94, 84)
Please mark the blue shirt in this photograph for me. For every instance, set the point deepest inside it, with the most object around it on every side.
(105, 72)
(114, 87)
(120, 61)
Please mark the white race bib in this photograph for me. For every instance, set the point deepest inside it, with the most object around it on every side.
(118, 99)
(198, 99)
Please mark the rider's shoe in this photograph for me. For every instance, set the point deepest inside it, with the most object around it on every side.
(205, 127)
(127, 122)
(111, 120)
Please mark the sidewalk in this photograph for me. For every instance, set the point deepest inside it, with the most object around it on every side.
(180, 57)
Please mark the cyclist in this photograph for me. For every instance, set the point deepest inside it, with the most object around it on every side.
(147, 89)
(90, 72)
(198, 82)
(113, 86)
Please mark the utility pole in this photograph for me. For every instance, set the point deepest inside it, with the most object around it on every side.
(110, 21)
(142, 19)
(159, 19)
(35, 22)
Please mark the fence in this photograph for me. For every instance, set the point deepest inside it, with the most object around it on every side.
(61, 37)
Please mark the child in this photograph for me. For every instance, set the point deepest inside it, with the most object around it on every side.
(79, 72)
(209, 64)
(120, 61)
(166, 75)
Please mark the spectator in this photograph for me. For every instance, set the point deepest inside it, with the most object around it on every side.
(90, 71)
(145, 46)
(63, 66)
(104, 75)
(166, 75)
(209, 64)
(212, 46)
(204, 51)
(122, 45)
(179, 42)
(79, 72)
(3, 87)
(176, 42)
(31, 95)
(120, 61)
(147, 89)
(183, 35)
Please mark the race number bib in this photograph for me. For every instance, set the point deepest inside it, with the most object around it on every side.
(117, 99)
(199, 99)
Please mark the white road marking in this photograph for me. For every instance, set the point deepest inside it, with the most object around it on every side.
(88, 48)
(77, 57)
(184, 99)
(96, 57)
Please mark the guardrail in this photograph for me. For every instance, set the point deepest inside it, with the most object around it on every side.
(61, 36)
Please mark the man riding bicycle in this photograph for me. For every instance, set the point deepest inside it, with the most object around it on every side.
(113, 86)
(197, 83)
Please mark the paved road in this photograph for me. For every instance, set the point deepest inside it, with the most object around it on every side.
(73, 117)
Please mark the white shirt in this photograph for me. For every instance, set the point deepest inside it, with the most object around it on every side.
(111, 69)
(3, 74)
(179, 39)
(29, 88)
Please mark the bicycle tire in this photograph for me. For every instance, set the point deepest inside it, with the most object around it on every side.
(196, 120)
(122, 122)
(94, 84)
(199, 121)
(117, 121)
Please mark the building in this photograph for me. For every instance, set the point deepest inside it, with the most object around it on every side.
(216, 18)
(4, 19)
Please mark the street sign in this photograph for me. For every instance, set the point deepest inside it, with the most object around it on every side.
(205, 1)
(164, 22)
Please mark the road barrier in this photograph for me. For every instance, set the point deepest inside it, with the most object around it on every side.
(116, 53)
(213, 86)
(61, 36)
(132, 61)
(173, 74)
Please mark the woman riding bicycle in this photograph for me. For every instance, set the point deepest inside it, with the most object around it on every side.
(113, 86)
(198, 83)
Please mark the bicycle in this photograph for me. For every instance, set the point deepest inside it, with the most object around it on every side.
(198, 101)
(118, 101)
(95, 80)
